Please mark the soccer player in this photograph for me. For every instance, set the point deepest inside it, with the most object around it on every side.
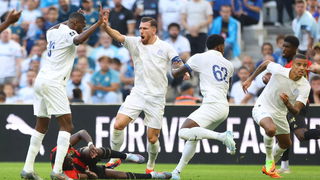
(150, 57)
(50, 93)
(82, 163)
(12, 17)
(287, 89)
(215, 73)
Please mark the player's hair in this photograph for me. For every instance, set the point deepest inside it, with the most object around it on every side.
(266, 44)
(214, 40)
(77, 16)
(315, 78)
(174, 25)
(299, 56)
(105, 57)
(294, 41)
(152, 21)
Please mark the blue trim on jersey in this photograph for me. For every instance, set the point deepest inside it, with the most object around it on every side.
(188, 67)
(176, 59)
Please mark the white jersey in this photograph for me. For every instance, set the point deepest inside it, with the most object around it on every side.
(150, 65)
(60, 55)
(281, 83)
(215, 73)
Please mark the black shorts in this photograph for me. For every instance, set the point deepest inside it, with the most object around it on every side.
(298, 121)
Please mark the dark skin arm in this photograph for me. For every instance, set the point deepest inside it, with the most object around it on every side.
(294, 109)
(179, 70)
(12, 17)
(84, 135)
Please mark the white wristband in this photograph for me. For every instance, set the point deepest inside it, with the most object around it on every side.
(90, 143)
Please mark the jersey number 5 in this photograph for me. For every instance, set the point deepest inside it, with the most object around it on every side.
(220, 73)
(51, 46)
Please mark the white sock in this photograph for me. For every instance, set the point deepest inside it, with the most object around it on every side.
(277, 152)
(117, 139)
(153, 150)
(285, 164)
(198, 133)
(34, 148)
(268, 142)
(187, 154)
(62, 149)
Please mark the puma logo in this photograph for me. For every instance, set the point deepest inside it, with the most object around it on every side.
(15, 123)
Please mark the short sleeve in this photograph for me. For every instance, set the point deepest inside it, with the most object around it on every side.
(209, 9)
(185, 46)
(130, 42)
(304, 91)
(70, 35)
(193, 63)
(171, 52)
(115, 77)
(275, 68)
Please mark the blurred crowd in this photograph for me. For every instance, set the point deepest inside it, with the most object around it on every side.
(103, 71)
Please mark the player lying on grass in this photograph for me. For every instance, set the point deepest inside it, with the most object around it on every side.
(82, 163)
(287, 89)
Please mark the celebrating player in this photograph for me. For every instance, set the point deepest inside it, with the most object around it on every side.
(215, 73)
(82, 163)
(50, 94)
(287, 89)
(150, 56)
(12, 17)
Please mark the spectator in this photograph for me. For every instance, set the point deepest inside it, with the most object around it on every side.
(83, 66)
(9, 91)
(304, 27)
(45, 5)
(107, 49)
(266, 49)
(65, 9)
(288, 5)
(76, 96)
(2, 97)
(76, 83)
(105, 83)
(91, 16)
(51, 18)
(145, 8)
(26, 94)
(169, 12)
(313, 8)
(248, 11)
(237, 94)
(116, 64)
(278, 52)
(196, 16)
(127, 79)
(217, 4)
(227, 27)
(121, 19)
(248, 63)
(314, 97)
(9, 58)
(36, 31)
(179, 42)
(186, 96)
(30, 14)
(82, 52)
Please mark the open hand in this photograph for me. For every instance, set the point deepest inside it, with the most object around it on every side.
(186, 76)
(93, 151)
(285, 98)
(315, 68)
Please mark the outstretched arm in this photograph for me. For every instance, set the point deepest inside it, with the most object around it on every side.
(294, 109)
(259, 70)
(85, 34)
(114, 34)
(12, 17)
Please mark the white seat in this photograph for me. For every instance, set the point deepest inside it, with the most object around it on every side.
(258, 29)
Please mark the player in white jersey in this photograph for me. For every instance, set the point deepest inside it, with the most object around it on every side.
(215, 73)
(12, 17)
(287, 89)
(150, 57)
(50, 90)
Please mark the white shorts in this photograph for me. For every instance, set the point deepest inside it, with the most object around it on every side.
(153, 108)
(210, 115)
(259, 112)
(50, 99)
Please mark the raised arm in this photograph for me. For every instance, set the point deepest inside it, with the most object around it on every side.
(259, 70)
(12, 17)
(85, 34)
(294, 109)
(116, 35)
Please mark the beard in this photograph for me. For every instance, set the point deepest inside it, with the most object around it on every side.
(173, 36)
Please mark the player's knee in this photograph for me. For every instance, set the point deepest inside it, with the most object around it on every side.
(271, 131)
(119, 126)
(285, 145)
(152, 139)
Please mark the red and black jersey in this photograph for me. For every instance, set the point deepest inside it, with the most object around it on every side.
(71, 169)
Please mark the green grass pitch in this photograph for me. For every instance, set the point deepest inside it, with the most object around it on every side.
(11, 171)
